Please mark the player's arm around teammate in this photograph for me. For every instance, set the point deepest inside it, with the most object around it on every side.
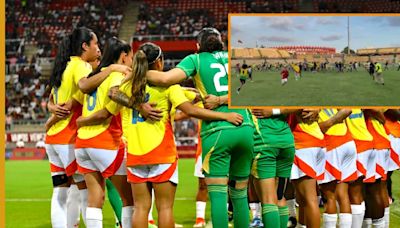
(224, 152)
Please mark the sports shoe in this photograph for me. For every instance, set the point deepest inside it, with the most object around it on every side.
(200, 222)
(256, 223)
(178, 225)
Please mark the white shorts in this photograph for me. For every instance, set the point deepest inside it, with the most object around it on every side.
(107, 162)
(62, 159)
(309, 162)
(394, 162)
(366, 163)
(198, 167)
(156, 173)
(341, 164)
(382, 163)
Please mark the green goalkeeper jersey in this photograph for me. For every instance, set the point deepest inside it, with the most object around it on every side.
(210, 75)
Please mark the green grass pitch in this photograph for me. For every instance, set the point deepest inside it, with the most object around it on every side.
(28, 193)
(317, 89)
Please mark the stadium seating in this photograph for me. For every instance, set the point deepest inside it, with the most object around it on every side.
(46, 30)
(356, 6)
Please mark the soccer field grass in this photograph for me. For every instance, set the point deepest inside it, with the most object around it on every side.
(28, 193)
(317, 89)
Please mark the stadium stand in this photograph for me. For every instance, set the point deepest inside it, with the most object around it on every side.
(356, 6)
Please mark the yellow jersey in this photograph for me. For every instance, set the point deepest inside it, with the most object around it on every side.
(378, 132)
(64, 131)
(108, 134)
(336, 135)
(150, 142)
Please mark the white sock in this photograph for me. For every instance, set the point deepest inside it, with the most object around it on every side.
(301, 226)
(94, 217)
(367, 223)
(357, 212)
(378, 223)
(73, 206)
(126, 216)
(200, 209)
(59, 207)
(258, 210)
(330, 220)
(345, 220)
(151, 208)
(387, 217)
(292, 207)
(84, 198)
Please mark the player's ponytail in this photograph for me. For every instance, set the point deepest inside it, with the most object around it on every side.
(139, 70)
(70, 45)
(60, 62)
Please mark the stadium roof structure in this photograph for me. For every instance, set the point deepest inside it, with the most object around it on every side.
(257, 53)
(378, 51)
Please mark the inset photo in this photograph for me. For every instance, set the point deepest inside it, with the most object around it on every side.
(314, 60)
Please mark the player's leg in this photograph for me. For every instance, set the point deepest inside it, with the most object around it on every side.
(254, 204)
(59, 158)
(290, 196)
(115, 200)
(202, 194)
(284, 167)
(241, 158)
(306, 190)
(264, 171)
(216, 160)
(165, 196)
(73, 206)
(124, 190)
(95, 186)
(201, 200)
(141, 192)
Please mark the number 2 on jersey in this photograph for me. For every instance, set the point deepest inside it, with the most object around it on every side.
(223, 72)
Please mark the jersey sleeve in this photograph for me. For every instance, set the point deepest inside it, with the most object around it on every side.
(189, 65)
(189, 95)
(79, 96)
(116, 79)
(82, 70)
(113, 107)
(176, 95)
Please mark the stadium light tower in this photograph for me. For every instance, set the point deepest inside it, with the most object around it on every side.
(348, 35)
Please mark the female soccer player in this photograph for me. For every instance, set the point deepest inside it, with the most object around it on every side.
(366, 163)
(273, 158)
(99, 149)
(227, 149)
(153, 164)
(308, 166)
(340, 166)
(69, 74)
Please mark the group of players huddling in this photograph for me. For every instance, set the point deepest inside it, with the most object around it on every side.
(113, 119)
